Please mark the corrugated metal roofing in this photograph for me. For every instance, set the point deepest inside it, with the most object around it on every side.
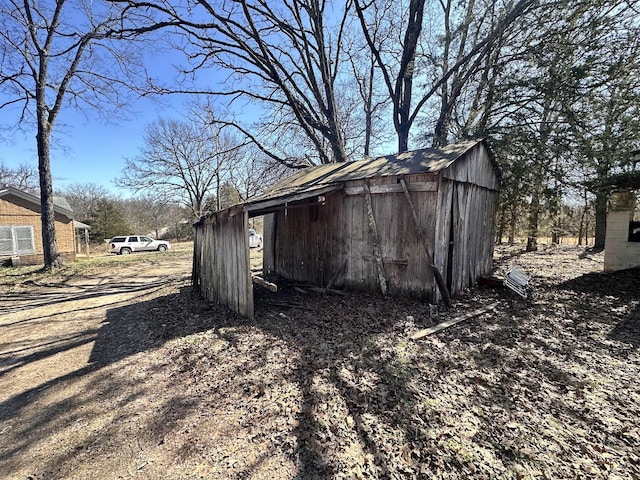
(311, 179)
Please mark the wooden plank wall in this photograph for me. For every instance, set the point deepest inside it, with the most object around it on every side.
(474, 250)
(307, 246)
(268, 244)
(473, 192)
(400, 235)
(221, 271)
(442, 232)
(313, 243)
(476, 168)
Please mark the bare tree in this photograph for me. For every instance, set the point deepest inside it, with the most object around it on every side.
(399, 67)
(371, 100)
(83, 198)
(284, 56)
(150, 214)
(56, 54)
(254, 173)
(182, 161)
(23, 177)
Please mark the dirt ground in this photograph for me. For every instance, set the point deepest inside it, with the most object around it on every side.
(124, 374)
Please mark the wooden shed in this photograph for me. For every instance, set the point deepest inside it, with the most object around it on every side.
(374, 224)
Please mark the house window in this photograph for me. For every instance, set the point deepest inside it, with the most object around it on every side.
(17, 240)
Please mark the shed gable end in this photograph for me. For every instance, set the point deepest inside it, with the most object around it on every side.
(475, 167)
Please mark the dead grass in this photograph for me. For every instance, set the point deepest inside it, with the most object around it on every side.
(123, 374)
(98, 262)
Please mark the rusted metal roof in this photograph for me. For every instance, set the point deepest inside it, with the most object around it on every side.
(317, 180)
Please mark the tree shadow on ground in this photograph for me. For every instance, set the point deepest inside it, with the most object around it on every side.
(332, 384)
(612, 298)
(50, 409)
(138, 327)
(357, 393)
(548, 370)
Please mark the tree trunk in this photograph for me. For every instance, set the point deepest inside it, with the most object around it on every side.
(586, 231)
(601, 220)
(43, 137)
(337, 145)
(404, 81)
(557, 228)
(534, 214)
(581, 229)
(368, 111)
(555, 203)
(367, 134)
(584, 221)
(556, 225)
(49, 242)
(440, 132)
(403, 137)
(512, 223)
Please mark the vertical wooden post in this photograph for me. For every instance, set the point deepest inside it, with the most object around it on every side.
(197, 255)
(373, 231)
(86, 240)
(269, 244)
(247, 297)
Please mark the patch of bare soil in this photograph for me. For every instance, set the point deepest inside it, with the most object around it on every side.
(130, 376)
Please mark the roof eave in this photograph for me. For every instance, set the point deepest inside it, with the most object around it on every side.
(35, 200)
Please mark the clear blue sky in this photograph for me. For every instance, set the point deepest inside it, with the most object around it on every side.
(88, 148)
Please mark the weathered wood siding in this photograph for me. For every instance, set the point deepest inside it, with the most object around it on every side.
(313, 243)
(472, 213)
(314, 236)
(467, 203)
(456, 210)
(476, 168)
(304, 248)
(441, 255)
(268, 244)
(221, 271)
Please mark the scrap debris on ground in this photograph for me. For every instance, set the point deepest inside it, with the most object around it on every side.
(332, 385)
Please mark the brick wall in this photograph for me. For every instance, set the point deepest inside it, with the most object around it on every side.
(619, 253)
(16, 211)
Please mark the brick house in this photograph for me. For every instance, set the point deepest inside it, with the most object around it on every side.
(21, 227)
